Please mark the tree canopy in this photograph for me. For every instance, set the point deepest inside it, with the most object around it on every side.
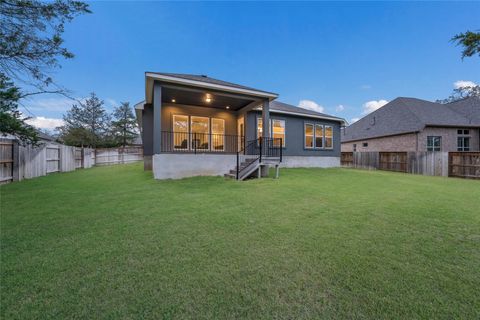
(124, 125)
(31, 38)
(11, 119)
(86, 123)
(470, 41)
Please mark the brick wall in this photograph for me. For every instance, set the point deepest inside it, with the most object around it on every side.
(404, 142)
(414, 142)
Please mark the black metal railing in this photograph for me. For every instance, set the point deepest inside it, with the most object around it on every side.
(191, 142)
(255, 151)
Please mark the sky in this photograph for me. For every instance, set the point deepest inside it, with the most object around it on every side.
(342, 58)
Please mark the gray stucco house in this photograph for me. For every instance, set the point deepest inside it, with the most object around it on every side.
(409, 124)
(196, 125)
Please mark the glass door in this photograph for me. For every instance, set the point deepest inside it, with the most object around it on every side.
(200, 128)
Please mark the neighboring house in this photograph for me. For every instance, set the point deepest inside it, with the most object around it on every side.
(409, 124)
(195, 125)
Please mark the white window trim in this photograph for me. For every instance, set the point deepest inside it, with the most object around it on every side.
(315, 136)
(305, 135)
(433, 144)
(284, 142)
(211, 133)
(325, 137)
(187, 133)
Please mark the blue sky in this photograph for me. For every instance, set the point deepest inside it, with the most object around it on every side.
(357, 55)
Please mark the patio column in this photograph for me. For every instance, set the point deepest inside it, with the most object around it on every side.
(157, 117)
(266, 119)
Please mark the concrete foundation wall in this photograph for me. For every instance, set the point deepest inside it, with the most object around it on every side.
(177, 166)
(309, 162)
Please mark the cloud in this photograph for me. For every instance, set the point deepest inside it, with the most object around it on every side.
(365, 87)
(463, 83)
(354, 120)
(310, 105)
(340, 108)
(45, 123)
(373, 105)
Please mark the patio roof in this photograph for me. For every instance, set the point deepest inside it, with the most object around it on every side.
(204, 83)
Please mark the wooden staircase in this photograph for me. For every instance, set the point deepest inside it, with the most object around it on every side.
(247, 168)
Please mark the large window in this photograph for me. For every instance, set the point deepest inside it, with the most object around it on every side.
(277, 129)
(180, 132)
(434, 143)
(328, 137)
(200, 133)
(318, 136)
(200, 128)
(218, 134)
(463, 140)
(309, 136)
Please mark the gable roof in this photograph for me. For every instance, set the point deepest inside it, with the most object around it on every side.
(202, 81)
(405, 115)
(207, 79)
(280, 107)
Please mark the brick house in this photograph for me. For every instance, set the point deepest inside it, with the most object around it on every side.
(409, 124)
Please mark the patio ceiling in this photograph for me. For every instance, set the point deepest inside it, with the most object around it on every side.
(205, 98)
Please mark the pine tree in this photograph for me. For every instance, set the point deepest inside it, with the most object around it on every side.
(86, 124)
(124, 125)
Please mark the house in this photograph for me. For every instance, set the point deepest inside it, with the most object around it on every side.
(409, 124)
(197, 125)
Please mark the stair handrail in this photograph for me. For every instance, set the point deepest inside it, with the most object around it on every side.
(250, 148)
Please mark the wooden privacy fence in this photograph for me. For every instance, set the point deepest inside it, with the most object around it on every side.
(425, 163)
(118, 155)
(6, 161)
(19, 162)
(464, 165)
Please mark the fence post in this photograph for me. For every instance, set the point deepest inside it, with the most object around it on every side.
(16, 162)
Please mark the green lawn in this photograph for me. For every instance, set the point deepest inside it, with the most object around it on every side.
(111, 242)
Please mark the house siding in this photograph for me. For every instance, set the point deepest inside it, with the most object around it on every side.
(294, 134)
(415, 141)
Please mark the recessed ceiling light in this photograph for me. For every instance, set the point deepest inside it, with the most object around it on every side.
(208, 98)
(227, 107)
(173, 100)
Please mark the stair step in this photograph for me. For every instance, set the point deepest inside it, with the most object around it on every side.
(230, 175)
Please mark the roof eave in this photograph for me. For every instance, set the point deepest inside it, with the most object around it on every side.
(206, 85)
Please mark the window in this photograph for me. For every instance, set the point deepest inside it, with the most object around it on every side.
(328, 137)
(180, 132)
(354, 147)
(309, 135)
(259, 128)
(200, 128)
(463, 141)
(318, 136)
(277, 129)
(218, 134)
(434, 143)
(365, 144)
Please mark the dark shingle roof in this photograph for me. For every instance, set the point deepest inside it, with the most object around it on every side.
(280, 106)
(469, 108)
(204, 78)
(404, 115)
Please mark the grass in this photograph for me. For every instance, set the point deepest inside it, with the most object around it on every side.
(112, 243)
